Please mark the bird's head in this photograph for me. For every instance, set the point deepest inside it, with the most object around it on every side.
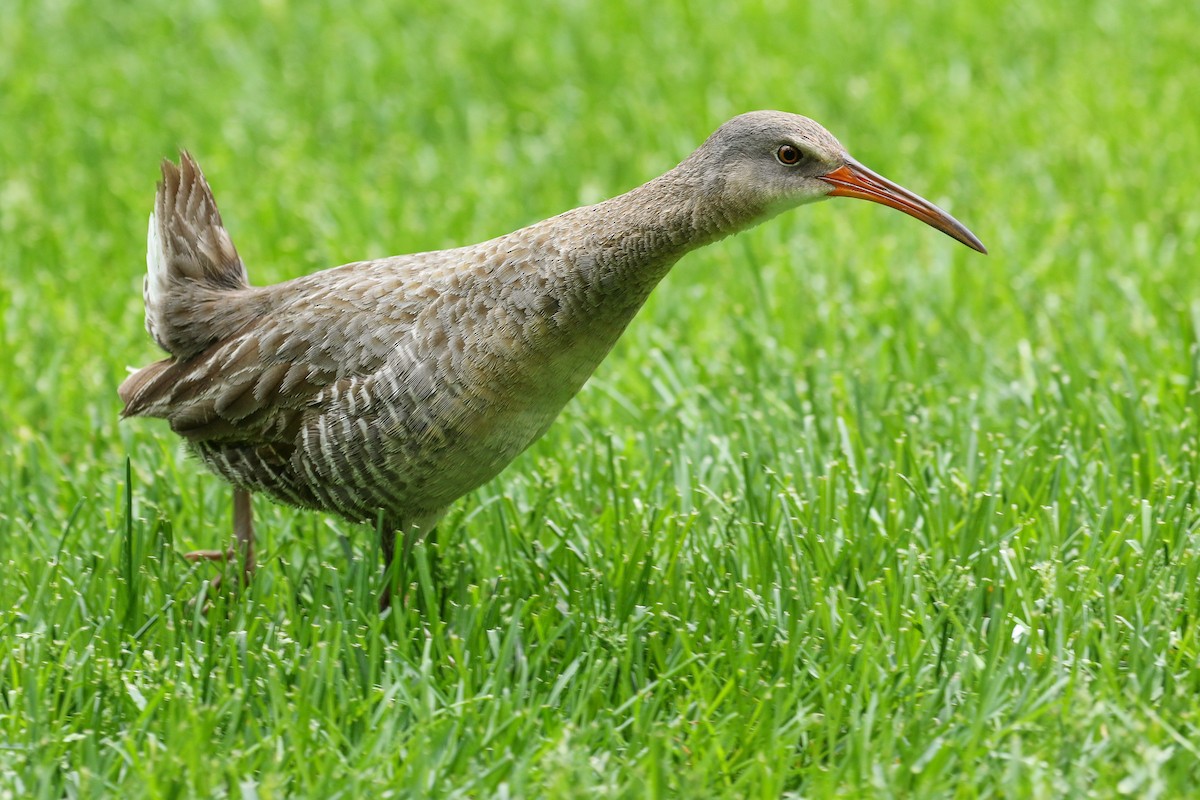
(765, 162)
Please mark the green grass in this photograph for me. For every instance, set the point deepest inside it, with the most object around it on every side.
(850, 511)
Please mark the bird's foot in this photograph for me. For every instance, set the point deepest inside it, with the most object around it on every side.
(214, 585)
(211, 555)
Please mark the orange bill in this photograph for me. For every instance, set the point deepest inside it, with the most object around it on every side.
(855, 180)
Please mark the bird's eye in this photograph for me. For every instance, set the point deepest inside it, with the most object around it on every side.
(789, 155)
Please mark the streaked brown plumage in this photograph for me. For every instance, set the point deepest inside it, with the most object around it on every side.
(395, 386)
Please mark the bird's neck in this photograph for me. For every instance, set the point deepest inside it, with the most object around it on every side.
(634, 239)
(610, 256)
(595, 266)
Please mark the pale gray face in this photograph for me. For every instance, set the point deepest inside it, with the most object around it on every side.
(771, 160)
(764, 162)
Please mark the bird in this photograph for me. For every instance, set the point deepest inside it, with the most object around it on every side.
(384, 390)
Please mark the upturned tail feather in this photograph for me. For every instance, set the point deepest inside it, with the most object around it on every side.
(194, 276)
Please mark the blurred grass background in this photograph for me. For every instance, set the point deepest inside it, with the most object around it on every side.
(849, 511)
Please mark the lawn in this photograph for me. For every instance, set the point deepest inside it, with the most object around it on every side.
(850, 511)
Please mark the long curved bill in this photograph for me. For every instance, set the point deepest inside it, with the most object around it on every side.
(855, 180)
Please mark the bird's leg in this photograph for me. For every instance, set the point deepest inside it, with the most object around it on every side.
(243, 535)
(243, 532)
(435, 572)
(428, 542)
(397, 578)
(395, 574)
(387, 543)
